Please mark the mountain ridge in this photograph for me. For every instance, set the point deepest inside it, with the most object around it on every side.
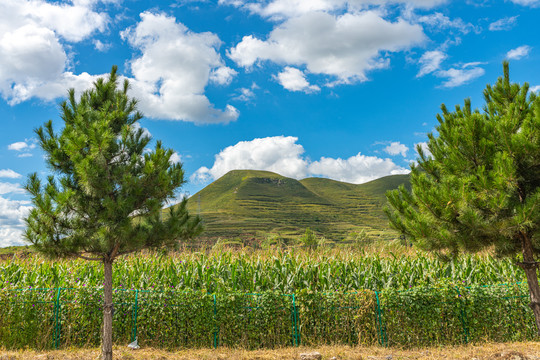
(255, 203)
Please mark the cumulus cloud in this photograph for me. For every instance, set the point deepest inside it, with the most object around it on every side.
(518, 53)
(22, 146)
(12, 226)
(430, 62)
(31, 52)
(356, 169)
(503, 24)
(280, 9)
(279, 154)
(174, 68)
(169, 77)
(223, 75)
(295, 80)
(461, 75)
(344, 47)
(10, 188)
(395, 148)
(535, 89)
(283, 155)
(9, 174)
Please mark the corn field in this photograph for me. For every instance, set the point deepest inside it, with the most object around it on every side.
(271, 299)
(229, 271)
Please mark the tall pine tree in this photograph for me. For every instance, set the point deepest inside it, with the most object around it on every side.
(105, 196)
(480, 186)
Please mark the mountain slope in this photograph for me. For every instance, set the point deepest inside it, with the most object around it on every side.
(247, 203)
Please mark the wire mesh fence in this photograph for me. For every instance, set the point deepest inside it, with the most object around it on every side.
(447, 314)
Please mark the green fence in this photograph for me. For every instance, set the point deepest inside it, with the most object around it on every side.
(65, 317)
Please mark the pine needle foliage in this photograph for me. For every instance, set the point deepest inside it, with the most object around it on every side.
(106, 192)
(105, 195)
(479, 185)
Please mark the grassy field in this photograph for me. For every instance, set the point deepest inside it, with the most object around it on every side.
(254, 204)
(505, 351)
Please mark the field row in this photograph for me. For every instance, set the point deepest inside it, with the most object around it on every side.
(260, 272)
(442, 315)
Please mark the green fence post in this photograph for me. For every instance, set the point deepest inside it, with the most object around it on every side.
(463, 317)
(294, 318)
(382, 335)
(134, 314)
(216, 327)
(57, 322)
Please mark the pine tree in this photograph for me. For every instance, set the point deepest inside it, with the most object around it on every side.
(480, 186)
(105, 196)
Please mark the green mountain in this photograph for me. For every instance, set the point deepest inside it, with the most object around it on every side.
(249, 204)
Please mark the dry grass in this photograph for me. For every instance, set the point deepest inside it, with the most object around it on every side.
(509, 351)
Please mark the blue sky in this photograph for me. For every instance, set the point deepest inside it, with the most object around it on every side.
(343, 89)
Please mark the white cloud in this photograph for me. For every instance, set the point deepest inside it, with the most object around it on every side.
(503, 24)
(356, 169)
(31, 52)
(294, 80)
(345, 46)
(22, 146)
(279, 154)
(424, 147)
(23, 155)
(395, 148)
(281, 9)
(101, 46)
(73, 22)
(440, 22)
(535, 89)
(533, 3)
(54, 88)
(174, 68)
(9, 188)
(175, 158)
(223, 75)
(461, 75)
(138, 126)
(10, 174)
(518, 53)
(244, 94)
(430, 62)
(12, 213)
(283, 155)
(169, 77)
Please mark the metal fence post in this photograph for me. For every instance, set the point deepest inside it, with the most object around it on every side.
(216, 327)
(382, 333)
(134, 314)
(57, 321)
(463, 316)
(294, 320)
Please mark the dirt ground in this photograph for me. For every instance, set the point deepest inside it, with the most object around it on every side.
(510, 351)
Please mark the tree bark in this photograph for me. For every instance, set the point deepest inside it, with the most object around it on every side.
(106, 343)
(530, 267)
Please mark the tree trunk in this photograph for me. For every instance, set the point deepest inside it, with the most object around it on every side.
(106, 343)
(530, 266)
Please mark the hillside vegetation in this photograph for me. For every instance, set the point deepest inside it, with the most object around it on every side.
(250, 203)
